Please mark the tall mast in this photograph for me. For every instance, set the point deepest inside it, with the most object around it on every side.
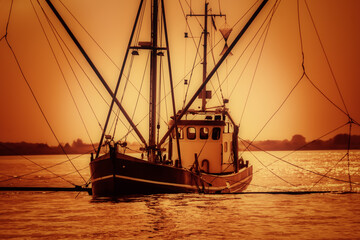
(203, 94)
(153, 76)
(216, 67)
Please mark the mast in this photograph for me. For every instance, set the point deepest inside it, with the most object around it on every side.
(203, 94)
(153, 76)
(211, 74)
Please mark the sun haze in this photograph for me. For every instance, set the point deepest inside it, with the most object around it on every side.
(272, 73)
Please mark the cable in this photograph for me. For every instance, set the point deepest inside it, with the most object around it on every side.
(327, 59)
(8, 21)
(292, 164)
(43, 168)
(34, 97)
(58, 64)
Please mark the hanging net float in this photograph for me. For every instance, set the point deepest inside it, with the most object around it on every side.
(225, 31)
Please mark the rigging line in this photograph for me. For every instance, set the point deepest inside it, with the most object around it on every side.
(166, 104)
(191, 72)
(191, 34)
(159, 97)
(247, 46)
(217, 74)
(248, 61)
(81, 87)
(201, 26)
(309, 143)
(301, 39)
(50, 178)
(219, 40)
(43, 168)
(329, 170)
(278, 109)
(92, 38)
(57, 164)
(8, 21)
(284, 180)
(326, 97)
(327, 59)
(37, 102)
(292, 164)
(302, 147)
(58, 64)
(303, 63)
(348, 155)
(122, 96)
(267, 187)
(160, 80)
(215, 44)
(138, 96)
(87, 76)
(116, 114)
(267, 28)
(256, 2)
(107, 55)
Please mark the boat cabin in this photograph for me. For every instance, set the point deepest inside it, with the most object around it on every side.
(210, 136)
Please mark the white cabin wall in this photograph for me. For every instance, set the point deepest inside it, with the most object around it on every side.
(208, 149)
(227, 163)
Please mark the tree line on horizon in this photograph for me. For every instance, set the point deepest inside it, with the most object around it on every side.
(298, 142)
(338, 142)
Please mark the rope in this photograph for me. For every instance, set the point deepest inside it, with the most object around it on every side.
(294, 165)
(348, 156)
(327, 59)
(93, 39)
(266, 31)
(217, 74)
(58, 64)
(247, 46)
(329, 170)
(46, 168)
(301, 147)
(116, 114)
(8, 21)
(43, 168)
(138, 96)
(192, 71)
(271, 170)
(37, 102)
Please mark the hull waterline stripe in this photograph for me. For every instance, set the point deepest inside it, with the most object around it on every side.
(171, 184)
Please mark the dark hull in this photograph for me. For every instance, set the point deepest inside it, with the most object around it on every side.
(124, 175)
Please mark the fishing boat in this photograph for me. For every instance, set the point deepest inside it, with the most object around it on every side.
(195, 149)
(201, 150)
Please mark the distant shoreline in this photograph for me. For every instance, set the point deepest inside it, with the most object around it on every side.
(298, 142)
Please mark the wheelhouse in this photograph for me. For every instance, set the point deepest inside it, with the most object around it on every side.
(208, 138)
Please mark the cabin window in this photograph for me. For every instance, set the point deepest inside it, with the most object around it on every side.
(216, 133)
(191, 133)
(180, 133)
(204, 133)
(225, 146)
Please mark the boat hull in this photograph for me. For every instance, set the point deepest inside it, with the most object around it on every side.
(121, 174)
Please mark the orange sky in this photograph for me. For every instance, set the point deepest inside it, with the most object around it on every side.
(306, 111)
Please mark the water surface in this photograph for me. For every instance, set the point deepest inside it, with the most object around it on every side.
(71, 215)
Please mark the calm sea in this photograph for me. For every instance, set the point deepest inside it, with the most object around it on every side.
(71, 215)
